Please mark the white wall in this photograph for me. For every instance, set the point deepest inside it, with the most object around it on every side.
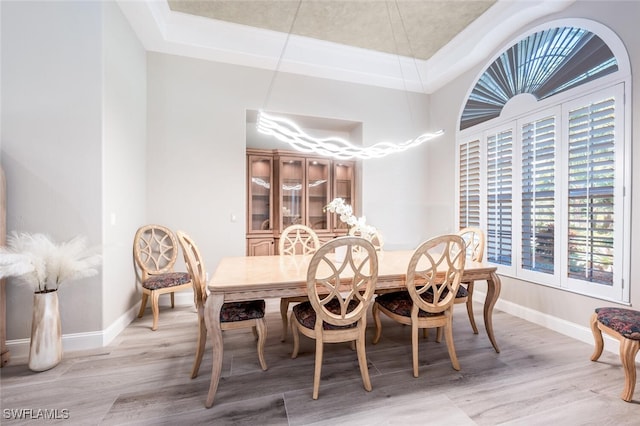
(554, 308)
(51, 142)
(73, 149)
(196, 148)
(124, 161)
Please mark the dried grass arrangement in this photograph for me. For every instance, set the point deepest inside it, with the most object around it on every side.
(35, 259)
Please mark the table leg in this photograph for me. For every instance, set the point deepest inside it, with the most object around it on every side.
(493, 292)
(212, 319)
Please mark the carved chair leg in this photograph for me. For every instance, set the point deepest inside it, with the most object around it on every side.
(448, 337)
(284, 308)
(318, 369)
(173, 299)
(202, 341)
(375, 312)
(155, 309)
(296, 337)
(414, 348)
(143, 304)
(362, 361)
(262, 337)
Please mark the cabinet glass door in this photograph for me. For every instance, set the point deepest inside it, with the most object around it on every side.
(260, 201)
(291, 190)
(318, 193)
(344, 187)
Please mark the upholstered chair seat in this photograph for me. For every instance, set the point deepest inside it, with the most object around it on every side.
(400, 303)
(306, 315)
(242, 311)
(170, 279)
(621, 320)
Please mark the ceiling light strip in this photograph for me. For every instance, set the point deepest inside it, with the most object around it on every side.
(287, 131)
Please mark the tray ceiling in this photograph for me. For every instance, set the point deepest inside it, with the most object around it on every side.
(424, 46)
(375, 25)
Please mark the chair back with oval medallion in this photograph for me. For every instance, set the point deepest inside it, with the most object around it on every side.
(295, 239)
(298, 239)
(155, 251)
(340, 291)
(433, 279)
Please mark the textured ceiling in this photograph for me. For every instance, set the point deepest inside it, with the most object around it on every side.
(413, 28)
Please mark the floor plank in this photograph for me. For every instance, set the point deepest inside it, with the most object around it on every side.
(142, 378)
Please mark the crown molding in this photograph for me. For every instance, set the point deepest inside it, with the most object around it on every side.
(482, 37)
(160, 29)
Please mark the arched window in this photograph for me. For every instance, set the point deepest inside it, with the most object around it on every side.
(543, 158)
(543, 64)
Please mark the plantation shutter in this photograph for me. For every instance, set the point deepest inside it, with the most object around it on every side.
(538, 195)
(499, 196)
(591, 179)
(469, 186)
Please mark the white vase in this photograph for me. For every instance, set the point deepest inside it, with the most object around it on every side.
(45, 351)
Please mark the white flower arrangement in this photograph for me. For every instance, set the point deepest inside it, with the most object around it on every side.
(345, 213)
(36, 260)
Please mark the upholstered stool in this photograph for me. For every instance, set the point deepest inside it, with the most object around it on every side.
(624, 325)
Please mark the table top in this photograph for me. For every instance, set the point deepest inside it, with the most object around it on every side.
(255, 273)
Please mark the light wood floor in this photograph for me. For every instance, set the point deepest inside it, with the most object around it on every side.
(539, 378)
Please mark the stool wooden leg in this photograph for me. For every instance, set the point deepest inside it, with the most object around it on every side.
(597, 338)
(628, 350)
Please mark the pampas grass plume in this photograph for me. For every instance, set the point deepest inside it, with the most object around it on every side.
(36, 260)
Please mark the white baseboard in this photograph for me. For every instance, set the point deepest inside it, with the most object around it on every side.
(19, 348)
(576, 331)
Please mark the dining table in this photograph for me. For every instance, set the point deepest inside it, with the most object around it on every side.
(244, 278)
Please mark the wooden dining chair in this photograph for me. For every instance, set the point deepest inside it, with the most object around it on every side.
(340, 292)
(234, 315)
(376, 239)
(474, 247)
(433, 278)
(295, 239)
(155, 251)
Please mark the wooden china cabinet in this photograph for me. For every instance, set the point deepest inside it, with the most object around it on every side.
(286, 188)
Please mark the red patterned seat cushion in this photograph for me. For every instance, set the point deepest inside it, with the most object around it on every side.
(400, 303)
(170, 279)
(241, 311)
(306, 315)
(624, 321)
